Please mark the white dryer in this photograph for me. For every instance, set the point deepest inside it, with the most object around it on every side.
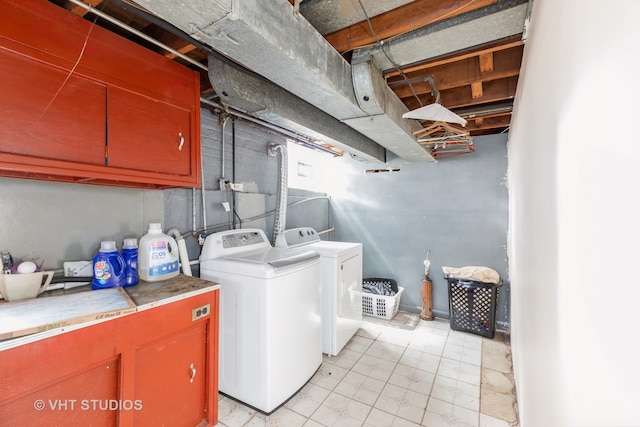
(341, 284)
(270, 327)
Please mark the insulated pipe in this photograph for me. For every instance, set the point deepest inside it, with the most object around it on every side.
(182, 251)
(280, 220)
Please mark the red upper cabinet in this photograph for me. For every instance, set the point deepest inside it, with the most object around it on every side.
(81, 104)
(136, 131)
(44, 113)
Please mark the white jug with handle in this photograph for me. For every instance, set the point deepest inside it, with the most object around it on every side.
(15, 287)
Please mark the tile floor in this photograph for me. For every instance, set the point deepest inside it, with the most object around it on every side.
(400, 373)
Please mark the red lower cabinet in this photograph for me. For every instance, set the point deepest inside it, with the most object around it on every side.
(153, 367)
(65, 402)
(181, 360)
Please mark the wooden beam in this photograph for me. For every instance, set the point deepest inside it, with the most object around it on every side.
(453, 58)
(452, 75)
(486, 62)
(492, 91)
(183, 50)
(476, 90)
(399, 21)
(492, 123)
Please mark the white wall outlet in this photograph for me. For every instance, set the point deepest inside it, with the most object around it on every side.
(200, 312)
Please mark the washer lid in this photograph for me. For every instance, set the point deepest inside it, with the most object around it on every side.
(276, 258)
(263, 264)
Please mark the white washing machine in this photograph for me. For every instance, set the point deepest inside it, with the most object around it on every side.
(341, 284)
(270, 326)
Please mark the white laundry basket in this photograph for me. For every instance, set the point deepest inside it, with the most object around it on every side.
(382, 306)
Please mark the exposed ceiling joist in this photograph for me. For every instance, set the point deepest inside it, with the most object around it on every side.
(457, 56)
(399, 21)
(506, 63)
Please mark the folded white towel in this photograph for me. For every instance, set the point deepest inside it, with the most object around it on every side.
(472, 272)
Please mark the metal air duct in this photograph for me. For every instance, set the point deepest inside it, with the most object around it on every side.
(269, 38)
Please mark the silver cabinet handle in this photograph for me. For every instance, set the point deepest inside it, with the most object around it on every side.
(193, 373)
(181, 141)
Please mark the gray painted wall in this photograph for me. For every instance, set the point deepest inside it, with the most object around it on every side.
(456, 208)
(57, 222)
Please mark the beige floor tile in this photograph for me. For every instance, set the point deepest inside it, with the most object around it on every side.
(402, 403)
(378, 418)
(307, 400)
(489, 421)
(374, 367)
(412, 379)
(445, 414)
(328, 376)
(496, 354)
(401, 373)
(345, 359)
(420, 360)
(360, 387)
(497, 381)
(498, 405)
(339, 410)
(359, 343)
(385, 351)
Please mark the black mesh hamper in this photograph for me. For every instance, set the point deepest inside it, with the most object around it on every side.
(472, 305)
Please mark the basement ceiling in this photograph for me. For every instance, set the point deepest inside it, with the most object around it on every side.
(470, 49)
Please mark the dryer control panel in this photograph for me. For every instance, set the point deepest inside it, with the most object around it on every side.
(297, 237)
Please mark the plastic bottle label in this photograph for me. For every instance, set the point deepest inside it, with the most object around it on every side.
(102, 271)
(160, 260)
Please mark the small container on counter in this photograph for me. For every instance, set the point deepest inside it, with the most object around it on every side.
(158, 255)
(130, 256)
(108, 267)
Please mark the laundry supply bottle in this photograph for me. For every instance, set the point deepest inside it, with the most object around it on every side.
(157, 255)
(108, 267)
(130, 256)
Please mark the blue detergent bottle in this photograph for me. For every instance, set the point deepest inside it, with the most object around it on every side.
(108, 267)
(130, 256)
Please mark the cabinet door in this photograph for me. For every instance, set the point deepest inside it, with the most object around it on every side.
(148, 135)
(170, 378)
(87, 398)
(48, 113)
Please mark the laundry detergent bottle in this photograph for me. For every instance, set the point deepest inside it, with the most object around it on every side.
(157, 255)
(130, 255)
(108, 267)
